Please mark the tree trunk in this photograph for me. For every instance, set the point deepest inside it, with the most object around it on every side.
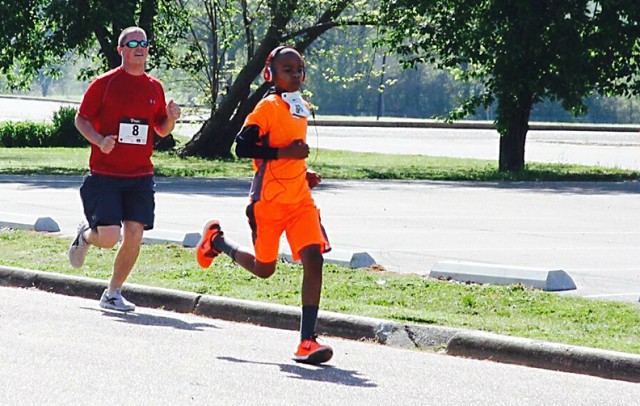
(513, 126)
(216, 136)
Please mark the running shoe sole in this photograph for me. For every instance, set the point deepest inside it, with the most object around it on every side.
(205, 253)
(316, 357)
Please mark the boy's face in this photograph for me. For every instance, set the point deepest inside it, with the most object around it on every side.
(288, 70)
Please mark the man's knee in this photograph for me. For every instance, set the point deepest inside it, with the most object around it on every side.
(108, 236)
(133, 231)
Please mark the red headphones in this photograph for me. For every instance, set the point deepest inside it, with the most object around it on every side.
(268, 73)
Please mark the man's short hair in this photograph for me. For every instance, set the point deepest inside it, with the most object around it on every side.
(128, 31)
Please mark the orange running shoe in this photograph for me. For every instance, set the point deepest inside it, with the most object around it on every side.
(310, 352)
(205, 253)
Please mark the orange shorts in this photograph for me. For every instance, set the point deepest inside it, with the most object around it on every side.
(300, 221)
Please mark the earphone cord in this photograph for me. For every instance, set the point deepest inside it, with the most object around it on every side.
(313, 161)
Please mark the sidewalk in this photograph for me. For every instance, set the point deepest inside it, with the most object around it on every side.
(456, 342)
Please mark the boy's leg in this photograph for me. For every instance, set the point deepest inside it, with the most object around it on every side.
(308, 241)
(310, 351)
(214, 242)
(248, 261)
(312, 262)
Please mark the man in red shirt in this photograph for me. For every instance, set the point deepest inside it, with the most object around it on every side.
(118, 116)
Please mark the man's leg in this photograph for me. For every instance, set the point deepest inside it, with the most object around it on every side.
(103, 236)
(122, 266)
(127, 254)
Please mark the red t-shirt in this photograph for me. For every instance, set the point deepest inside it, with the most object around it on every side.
(118, 103)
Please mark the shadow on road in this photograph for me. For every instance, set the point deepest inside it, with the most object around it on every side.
(153, 320)
(321, 373)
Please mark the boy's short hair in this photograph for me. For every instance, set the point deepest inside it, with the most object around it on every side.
(128, 31)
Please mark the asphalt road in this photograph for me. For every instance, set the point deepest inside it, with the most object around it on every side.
(61, 350)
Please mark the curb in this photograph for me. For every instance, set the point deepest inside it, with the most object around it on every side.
(458, 342)
(540, 354)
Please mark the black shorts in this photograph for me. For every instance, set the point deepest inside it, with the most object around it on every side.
(109, 200)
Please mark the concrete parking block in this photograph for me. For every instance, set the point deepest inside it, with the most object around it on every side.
(28, 222)
(548, 280)
(347, 259)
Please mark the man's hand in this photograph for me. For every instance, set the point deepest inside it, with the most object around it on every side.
(313, 178)
(173, 111)
(298, 149)
(107, 144)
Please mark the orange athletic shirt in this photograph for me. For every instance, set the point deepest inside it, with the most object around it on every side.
(280, 180)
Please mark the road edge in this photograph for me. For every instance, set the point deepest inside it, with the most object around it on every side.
(454, 341)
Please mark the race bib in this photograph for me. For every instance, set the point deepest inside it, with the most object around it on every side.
(133, 131)
(297, 106)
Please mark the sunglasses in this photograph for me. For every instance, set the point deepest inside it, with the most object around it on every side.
(134, 43)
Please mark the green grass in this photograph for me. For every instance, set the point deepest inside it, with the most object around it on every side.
(511, 310)
(330, 164)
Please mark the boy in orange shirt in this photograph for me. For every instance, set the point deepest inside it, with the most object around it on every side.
(274, 135)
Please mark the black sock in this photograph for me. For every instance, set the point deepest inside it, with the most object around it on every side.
(308, 322)
(225, 245)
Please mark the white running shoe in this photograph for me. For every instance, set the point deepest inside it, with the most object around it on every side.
(79, 247)
(116, 302)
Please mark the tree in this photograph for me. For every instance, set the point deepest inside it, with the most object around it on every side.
(523, 51)
(263, 26)
(38, 34)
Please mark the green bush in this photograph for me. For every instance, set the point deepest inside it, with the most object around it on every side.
(24, 134)
(64, 132)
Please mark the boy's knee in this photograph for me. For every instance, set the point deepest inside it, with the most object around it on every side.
(265, 270)
(311, 254)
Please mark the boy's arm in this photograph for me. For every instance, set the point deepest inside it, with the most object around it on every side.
(313, 178)
(249, 145)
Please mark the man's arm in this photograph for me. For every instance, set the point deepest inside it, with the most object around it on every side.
(165, 127)
(105, 143)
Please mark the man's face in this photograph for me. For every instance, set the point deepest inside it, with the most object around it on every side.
(136, 56)
(288, 70)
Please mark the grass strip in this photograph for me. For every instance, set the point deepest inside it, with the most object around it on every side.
(511, 310)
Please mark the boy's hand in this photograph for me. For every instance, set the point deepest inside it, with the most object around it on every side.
(298, 149)
(313, 178)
